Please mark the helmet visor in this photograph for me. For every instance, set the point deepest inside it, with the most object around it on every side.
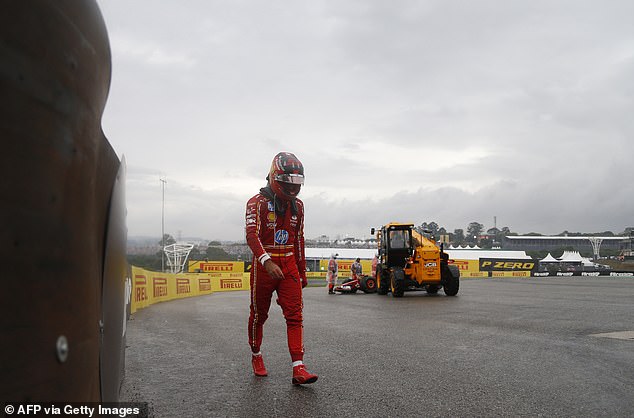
(290, 178)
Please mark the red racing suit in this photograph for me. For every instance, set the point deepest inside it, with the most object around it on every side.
(279, 237)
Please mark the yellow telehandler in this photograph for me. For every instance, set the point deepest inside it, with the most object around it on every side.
(408, 260)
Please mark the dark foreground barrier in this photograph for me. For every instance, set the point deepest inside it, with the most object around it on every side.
(62, 318)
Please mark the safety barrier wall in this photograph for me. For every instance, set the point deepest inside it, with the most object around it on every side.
(604, 273)
(493, 268)
(468, 268)
(149, 287)
(344, 266)
(196, 266)
(521, 268)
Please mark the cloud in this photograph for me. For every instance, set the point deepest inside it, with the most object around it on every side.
(151, 53)
(439, 110)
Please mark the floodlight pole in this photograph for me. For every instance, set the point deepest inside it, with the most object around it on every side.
(163, 182)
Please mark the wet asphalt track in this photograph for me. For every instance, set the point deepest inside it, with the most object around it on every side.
(502, 347)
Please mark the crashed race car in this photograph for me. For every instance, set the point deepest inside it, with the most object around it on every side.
(367, 284)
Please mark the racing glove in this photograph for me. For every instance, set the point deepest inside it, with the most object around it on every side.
(304, 281)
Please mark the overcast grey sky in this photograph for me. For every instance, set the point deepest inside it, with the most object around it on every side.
(445, 111)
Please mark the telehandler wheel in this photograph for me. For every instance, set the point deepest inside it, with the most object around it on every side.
(368, 284)
(362, 283)
(397, 283)
(382, 284)
(432, 289)
(452, 280)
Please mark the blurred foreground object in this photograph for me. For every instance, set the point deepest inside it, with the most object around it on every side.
(63, 235)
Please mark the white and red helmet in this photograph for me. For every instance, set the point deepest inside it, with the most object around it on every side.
(286, 176)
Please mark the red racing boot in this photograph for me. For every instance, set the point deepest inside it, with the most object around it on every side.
(301, 376)
(258, 365)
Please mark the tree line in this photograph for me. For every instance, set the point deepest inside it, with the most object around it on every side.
(475, 234)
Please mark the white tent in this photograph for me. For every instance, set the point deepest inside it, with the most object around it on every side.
(587, 262)
(549, 259)
(571, 257)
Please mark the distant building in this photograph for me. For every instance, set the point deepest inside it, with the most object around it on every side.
(550, 243)
(323, 241)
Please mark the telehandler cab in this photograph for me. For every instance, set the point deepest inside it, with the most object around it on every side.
(409, 260)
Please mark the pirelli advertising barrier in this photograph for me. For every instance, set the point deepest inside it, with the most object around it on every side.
(507, 267)
(344, 267)
(149, 287)
(495, 267)
(603, 273)
(469, 268)
(484, 267)
(216, 266)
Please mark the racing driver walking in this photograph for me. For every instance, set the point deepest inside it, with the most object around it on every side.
(275, 234)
